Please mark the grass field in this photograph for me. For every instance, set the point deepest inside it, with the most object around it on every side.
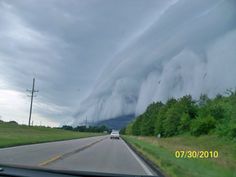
(13, 134)
(162, 153)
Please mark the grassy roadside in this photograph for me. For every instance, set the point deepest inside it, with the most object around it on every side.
(161, 152)
(13, 135)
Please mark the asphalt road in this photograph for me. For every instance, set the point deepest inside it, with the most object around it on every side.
(97, 154)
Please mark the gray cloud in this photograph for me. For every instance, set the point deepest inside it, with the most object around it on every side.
(188, 48)
(121, 55)
(65, 45)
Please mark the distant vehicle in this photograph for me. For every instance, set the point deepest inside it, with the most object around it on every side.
(115, 134)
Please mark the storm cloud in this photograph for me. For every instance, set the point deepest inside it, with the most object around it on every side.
(187, 48)
(105, 58)
(65, 45)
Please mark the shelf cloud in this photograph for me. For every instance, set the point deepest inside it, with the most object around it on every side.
(187, 48)
(108, 58)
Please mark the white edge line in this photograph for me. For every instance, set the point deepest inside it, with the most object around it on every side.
(147, 171)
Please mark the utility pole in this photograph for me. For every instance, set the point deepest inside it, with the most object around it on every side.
(86, 123)
(32, 96)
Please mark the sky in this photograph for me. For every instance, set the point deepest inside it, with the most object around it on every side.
(105, 58)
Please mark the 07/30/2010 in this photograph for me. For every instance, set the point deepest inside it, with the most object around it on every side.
(196, 154)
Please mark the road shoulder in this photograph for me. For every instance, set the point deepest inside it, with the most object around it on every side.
(155, 169)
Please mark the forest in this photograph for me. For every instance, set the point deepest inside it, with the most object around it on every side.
(188, 116)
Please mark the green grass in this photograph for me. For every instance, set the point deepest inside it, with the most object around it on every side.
(13, 134)
(161, 152)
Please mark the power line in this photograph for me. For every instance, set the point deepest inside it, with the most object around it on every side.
(32, 91)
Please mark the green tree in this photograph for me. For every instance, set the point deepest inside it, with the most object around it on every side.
(217, 111)
(149, 119)
(184, 125)
(188, 106)
(129, 128)
(122, 131)
(172, 120)
(182, 115)
(136, 128)
(202, 125)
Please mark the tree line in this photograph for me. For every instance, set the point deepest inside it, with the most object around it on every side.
(187, 116)
(83, 128)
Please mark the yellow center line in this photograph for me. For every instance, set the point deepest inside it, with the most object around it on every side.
(60, 156)
(54, 158)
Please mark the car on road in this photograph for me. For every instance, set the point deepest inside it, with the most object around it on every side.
(115, 134)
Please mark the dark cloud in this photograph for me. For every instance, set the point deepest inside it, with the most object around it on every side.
(180, 52)
(65, 45)
(114, 56)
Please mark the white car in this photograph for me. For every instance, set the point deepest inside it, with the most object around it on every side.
(115, 135)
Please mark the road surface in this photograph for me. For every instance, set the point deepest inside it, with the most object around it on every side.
(96, 154)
